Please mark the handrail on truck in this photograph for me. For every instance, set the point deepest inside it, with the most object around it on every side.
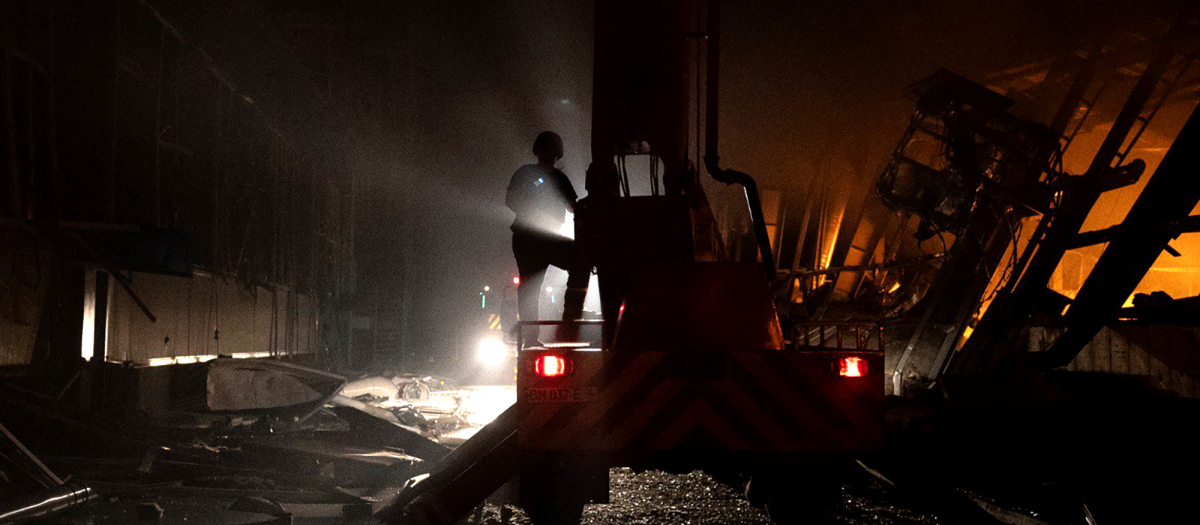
(862, 332)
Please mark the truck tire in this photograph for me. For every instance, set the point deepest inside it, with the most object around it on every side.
(553, 510)
(795, 499)
(552, 496)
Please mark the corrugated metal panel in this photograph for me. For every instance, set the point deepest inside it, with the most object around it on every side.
(1115, 352)
(205, 316)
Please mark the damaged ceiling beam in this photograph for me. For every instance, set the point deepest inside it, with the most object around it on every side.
(1170, 196)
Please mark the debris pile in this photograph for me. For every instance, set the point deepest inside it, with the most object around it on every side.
(230, 441)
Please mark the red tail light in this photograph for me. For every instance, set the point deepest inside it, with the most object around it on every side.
(551, 366)
(852, 367)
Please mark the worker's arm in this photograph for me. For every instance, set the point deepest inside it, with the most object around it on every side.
(517, 193)
(568, 191)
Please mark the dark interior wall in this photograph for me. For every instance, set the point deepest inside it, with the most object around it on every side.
(130, 116)
(142, 127)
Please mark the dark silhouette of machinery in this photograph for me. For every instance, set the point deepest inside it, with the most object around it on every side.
(691, 371)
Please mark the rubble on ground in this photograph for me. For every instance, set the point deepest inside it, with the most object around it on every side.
(238, 442)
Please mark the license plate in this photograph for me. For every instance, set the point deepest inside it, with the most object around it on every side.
(577, 394)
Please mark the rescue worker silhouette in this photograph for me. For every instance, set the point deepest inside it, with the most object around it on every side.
(541, 195)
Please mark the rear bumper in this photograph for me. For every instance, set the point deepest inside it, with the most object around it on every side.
(745, 406)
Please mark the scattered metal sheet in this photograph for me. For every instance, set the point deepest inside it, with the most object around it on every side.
(29, 490)
(45, 503)
(260, 384)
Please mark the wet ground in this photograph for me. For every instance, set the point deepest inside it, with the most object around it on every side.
(653, 498)
(658, 498)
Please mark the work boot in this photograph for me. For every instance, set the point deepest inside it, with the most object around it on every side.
(529, 336)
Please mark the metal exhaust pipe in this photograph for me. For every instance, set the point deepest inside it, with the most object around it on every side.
(711, 156)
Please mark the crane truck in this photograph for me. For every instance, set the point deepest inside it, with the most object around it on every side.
(692, 371)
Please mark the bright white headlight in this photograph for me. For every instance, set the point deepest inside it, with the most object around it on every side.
(492, 351)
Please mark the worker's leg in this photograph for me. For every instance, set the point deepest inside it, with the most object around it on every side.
(564, 254)
(527, 301)
(577, 289)
(531, 267)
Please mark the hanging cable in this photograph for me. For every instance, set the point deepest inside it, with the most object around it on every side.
(624, 174)
(657, 180)
(653, 174)
(699, 29)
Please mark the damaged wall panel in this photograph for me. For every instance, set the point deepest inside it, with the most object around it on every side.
(207, 316)
(25, 278)
(1162, 354)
